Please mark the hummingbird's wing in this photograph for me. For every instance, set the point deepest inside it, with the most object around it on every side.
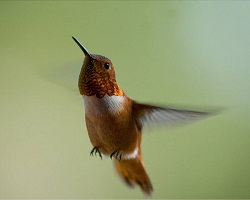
(149, 114)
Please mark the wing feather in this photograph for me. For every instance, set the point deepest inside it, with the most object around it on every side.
(149, 114)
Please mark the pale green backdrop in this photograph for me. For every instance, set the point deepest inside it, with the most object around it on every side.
(185, 53)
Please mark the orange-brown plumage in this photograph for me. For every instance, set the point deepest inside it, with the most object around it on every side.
(115, 122)
(94, 79)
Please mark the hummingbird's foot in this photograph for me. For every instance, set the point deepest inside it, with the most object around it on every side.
(117, 154)
(95, 150)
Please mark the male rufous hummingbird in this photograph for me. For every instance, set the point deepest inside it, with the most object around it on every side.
(115, 122)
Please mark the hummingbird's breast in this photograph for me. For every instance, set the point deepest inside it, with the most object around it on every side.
(110, 123)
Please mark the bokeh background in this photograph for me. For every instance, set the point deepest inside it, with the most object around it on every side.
(169, 53)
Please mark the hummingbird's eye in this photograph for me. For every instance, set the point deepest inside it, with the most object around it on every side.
(107, 65)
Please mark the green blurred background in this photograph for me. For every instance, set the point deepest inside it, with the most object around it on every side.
(168, 53)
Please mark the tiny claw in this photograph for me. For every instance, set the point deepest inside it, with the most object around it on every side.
(111, 155)
(117, 154)
(95, 150)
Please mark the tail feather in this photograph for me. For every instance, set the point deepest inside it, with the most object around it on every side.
(133, 173)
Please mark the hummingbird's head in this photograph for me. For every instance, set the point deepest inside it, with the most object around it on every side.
(97, 75)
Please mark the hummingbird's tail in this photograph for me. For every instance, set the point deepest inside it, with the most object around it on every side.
(133, 173)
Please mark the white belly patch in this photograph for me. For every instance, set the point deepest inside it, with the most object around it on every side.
(131, 155)
(99, 106)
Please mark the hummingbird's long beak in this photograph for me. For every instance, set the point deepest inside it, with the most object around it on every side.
(85, 51)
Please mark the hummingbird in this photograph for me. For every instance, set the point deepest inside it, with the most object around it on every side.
(115, 122)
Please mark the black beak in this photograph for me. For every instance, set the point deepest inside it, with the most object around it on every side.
(85, 51)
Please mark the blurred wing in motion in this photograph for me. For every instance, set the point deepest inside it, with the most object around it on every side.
(149, 114)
